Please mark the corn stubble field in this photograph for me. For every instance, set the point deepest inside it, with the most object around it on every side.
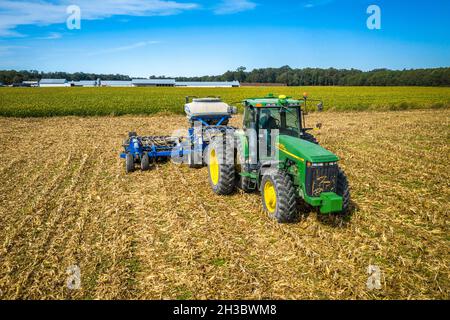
(163, 234)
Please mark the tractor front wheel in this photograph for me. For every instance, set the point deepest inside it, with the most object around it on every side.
(343, 189)
(221, 171)
(278, 196)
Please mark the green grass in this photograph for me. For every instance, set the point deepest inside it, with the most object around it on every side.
(47, 102)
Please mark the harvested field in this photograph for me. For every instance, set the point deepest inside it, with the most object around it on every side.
(65, 200)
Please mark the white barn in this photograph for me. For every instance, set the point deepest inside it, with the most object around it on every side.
(31, 83)
(116, 83)
(153, 82)
(85, 83)
(54, 83)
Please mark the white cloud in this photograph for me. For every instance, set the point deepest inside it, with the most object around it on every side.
(316, 3)
(123, 48)
(52, 36)
(234, 6)
(46, 12)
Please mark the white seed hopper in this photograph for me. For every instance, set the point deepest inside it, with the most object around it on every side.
(208, 107)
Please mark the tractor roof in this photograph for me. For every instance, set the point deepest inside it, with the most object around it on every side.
(272, 101)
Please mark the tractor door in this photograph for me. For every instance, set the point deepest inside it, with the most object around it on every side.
(269, 122)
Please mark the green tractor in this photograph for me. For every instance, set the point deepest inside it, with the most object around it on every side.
(274, 154)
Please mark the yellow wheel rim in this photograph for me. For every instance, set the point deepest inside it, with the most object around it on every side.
(214, 167)
(270, 196)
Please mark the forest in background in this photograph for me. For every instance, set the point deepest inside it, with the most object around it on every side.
(437, 77)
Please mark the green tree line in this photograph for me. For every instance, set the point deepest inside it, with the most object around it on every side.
(13, 76)
(334, 77)
(284, 75)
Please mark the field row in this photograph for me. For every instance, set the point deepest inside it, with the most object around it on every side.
(44, 102)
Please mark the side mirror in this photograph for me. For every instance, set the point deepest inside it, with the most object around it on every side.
(320, 107)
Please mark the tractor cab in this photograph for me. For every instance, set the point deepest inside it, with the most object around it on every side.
(270, 113)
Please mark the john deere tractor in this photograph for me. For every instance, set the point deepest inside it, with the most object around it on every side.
(276, 155)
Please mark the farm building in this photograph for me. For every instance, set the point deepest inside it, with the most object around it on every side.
(116, 83)
(225, 84)
(31, 83)
(153, 82)
(86, 83)
(54, 83)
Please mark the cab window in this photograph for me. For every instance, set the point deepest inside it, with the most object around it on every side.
(249, 117)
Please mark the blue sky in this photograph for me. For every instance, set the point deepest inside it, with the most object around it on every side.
(198, 37)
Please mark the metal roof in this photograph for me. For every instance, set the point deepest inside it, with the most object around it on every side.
(153, 81)
(85, 82)
(116, 83)
(53, 81)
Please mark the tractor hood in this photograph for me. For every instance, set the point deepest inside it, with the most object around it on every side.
(299, 149)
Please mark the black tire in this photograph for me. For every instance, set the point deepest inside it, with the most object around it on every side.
(343, 190)
(145, 162)
(244, 183)
(129, 163)
(222, 182)
(310, 138)
(285, 208)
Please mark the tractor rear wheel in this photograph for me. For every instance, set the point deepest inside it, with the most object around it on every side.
(221, 171)
(343, 190)
(145, 162)
(278, 196)
(243, 183)
(129, 163)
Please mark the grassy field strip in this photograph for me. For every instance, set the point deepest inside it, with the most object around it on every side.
(47, 102)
